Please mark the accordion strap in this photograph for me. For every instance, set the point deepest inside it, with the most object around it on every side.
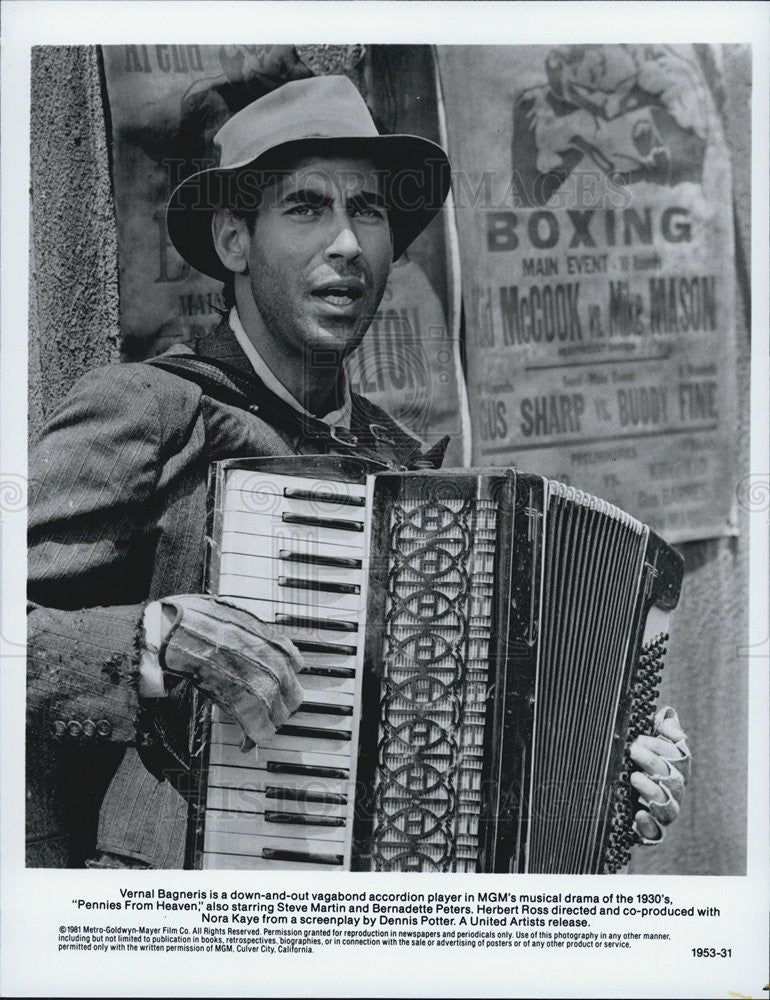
(246, 390)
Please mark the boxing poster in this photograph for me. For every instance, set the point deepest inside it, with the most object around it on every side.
(593, 199)
(166, 104)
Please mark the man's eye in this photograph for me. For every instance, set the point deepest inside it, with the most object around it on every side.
(368, 212)
(305, 210)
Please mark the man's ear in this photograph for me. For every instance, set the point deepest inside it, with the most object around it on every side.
(231, 240)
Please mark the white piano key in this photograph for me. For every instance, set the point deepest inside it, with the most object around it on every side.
(277, 761)
(242, 783)
(319, 688)
(327, 687)
(271, 565)
(243, 862)
(250, 825)
(314, 631)
(239, 777)
(331, 721)
(231, 732)
(300, 802)
(287, 742)
(232, 735)
(229, 771)
(263, 504)
(284, 536)
(313, 602)
(347, 543)
(252, 799)
(332, 696)
(251, 480)
(298, 756)
(254, 846)
(338, 747)
(239, 788)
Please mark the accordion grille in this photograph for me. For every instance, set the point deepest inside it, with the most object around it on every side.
(427, 795)
(592, 562)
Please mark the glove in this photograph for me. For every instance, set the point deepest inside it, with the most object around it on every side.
(664, 762)
(244, 664)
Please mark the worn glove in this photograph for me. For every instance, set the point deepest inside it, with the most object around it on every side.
(244, 664)
(664, 761)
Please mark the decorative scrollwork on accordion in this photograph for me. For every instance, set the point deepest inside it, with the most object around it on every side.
(433, 696)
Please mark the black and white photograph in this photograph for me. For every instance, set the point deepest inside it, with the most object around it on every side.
(394, 505)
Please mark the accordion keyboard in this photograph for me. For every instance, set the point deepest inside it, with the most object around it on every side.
(294, 552)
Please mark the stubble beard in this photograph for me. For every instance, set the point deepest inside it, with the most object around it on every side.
(301, 332)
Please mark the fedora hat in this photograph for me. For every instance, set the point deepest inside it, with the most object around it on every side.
(322, 116)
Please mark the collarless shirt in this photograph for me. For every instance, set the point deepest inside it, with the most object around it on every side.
(335, 418)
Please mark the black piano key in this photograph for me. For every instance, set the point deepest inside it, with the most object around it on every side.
(303, 795)
(319, 709)
(321, 497)
(343, 673)
(333, 624)
(273, 854)
(322, 522)
(303, 819)
(312, 560)
(313, 732)
(325, 586)
(307, 646)
(307, 770)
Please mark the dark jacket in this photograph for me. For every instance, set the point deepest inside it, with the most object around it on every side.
(118, 487)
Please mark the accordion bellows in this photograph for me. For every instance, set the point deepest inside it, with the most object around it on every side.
(481, 647)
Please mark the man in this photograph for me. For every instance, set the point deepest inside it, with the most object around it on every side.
(302, 220)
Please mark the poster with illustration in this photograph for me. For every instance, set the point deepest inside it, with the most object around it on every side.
(593, 201)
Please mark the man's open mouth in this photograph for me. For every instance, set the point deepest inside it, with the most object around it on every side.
(340, 294)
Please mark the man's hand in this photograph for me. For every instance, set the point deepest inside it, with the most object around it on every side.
(245, 665)
(664, 767)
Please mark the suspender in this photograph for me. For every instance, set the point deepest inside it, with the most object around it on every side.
(247, 391)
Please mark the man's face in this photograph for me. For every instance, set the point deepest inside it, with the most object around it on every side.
(320, 255)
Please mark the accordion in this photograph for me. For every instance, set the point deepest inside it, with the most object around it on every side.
(480, 647)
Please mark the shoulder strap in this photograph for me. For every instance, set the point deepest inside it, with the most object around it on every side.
(217, 379)
(246, 390)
